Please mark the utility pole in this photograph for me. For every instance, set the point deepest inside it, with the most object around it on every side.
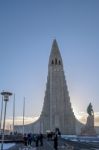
(1, 113)
(13, 112)
(23, 114)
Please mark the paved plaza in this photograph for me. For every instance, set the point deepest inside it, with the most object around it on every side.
(62, 145)
(48, 145)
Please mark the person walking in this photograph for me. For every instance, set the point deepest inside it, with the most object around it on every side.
(25, 138)
(29, 139)
(55, 142)
(41, 139)
(37, 140)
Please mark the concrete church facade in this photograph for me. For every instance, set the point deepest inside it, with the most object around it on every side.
(57, 111)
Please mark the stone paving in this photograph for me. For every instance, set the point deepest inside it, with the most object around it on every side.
(48, 145)
(62, 145)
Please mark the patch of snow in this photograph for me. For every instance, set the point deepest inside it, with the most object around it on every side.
(76, 138)
(7, 145)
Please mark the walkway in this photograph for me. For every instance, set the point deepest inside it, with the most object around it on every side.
(62, 145)
(48, 145)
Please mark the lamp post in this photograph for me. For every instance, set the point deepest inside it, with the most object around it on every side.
(5, 98)
(23, 114)
(13, 112)
(1, 113)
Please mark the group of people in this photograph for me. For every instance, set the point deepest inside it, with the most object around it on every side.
(38, 138)
(54, 137)
(29, 138)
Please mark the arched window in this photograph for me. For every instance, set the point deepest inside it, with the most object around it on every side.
(52, 62)
(55, 61)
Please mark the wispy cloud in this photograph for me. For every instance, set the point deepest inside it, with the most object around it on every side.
(82, 116)
(19, 121)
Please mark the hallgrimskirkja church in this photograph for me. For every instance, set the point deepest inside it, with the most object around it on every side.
(57, 111)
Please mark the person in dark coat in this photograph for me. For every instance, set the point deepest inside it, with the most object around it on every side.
(25, 139)
(41, 139)
(29, 139)
(37, 140)
(55, 142)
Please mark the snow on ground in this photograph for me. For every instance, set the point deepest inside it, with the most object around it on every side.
(81, 138)
(7, 145)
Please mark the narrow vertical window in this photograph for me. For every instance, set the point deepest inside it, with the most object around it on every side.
(59, 62)
(52, 62)
(55, 61)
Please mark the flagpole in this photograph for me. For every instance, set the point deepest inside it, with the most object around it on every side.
(23, 113)
(1, 113)
(13, 112)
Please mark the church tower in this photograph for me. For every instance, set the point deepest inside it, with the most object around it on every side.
(57, 111)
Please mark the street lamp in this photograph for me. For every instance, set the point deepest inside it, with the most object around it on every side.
(1, 113)
(5, 98)
(23, 114)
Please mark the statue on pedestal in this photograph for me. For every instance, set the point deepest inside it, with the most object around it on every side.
(90, 110)
(89, 129)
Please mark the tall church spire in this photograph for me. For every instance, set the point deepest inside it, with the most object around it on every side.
(57, 111)
(55, 56)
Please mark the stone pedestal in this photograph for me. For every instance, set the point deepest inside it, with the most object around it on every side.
(89, 129)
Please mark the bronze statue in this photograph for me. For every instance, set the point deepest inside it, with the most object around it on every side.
(89, 129)
(90, 110)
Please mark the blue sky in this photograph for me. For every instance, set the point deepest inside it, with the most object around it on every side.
(27, 29)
